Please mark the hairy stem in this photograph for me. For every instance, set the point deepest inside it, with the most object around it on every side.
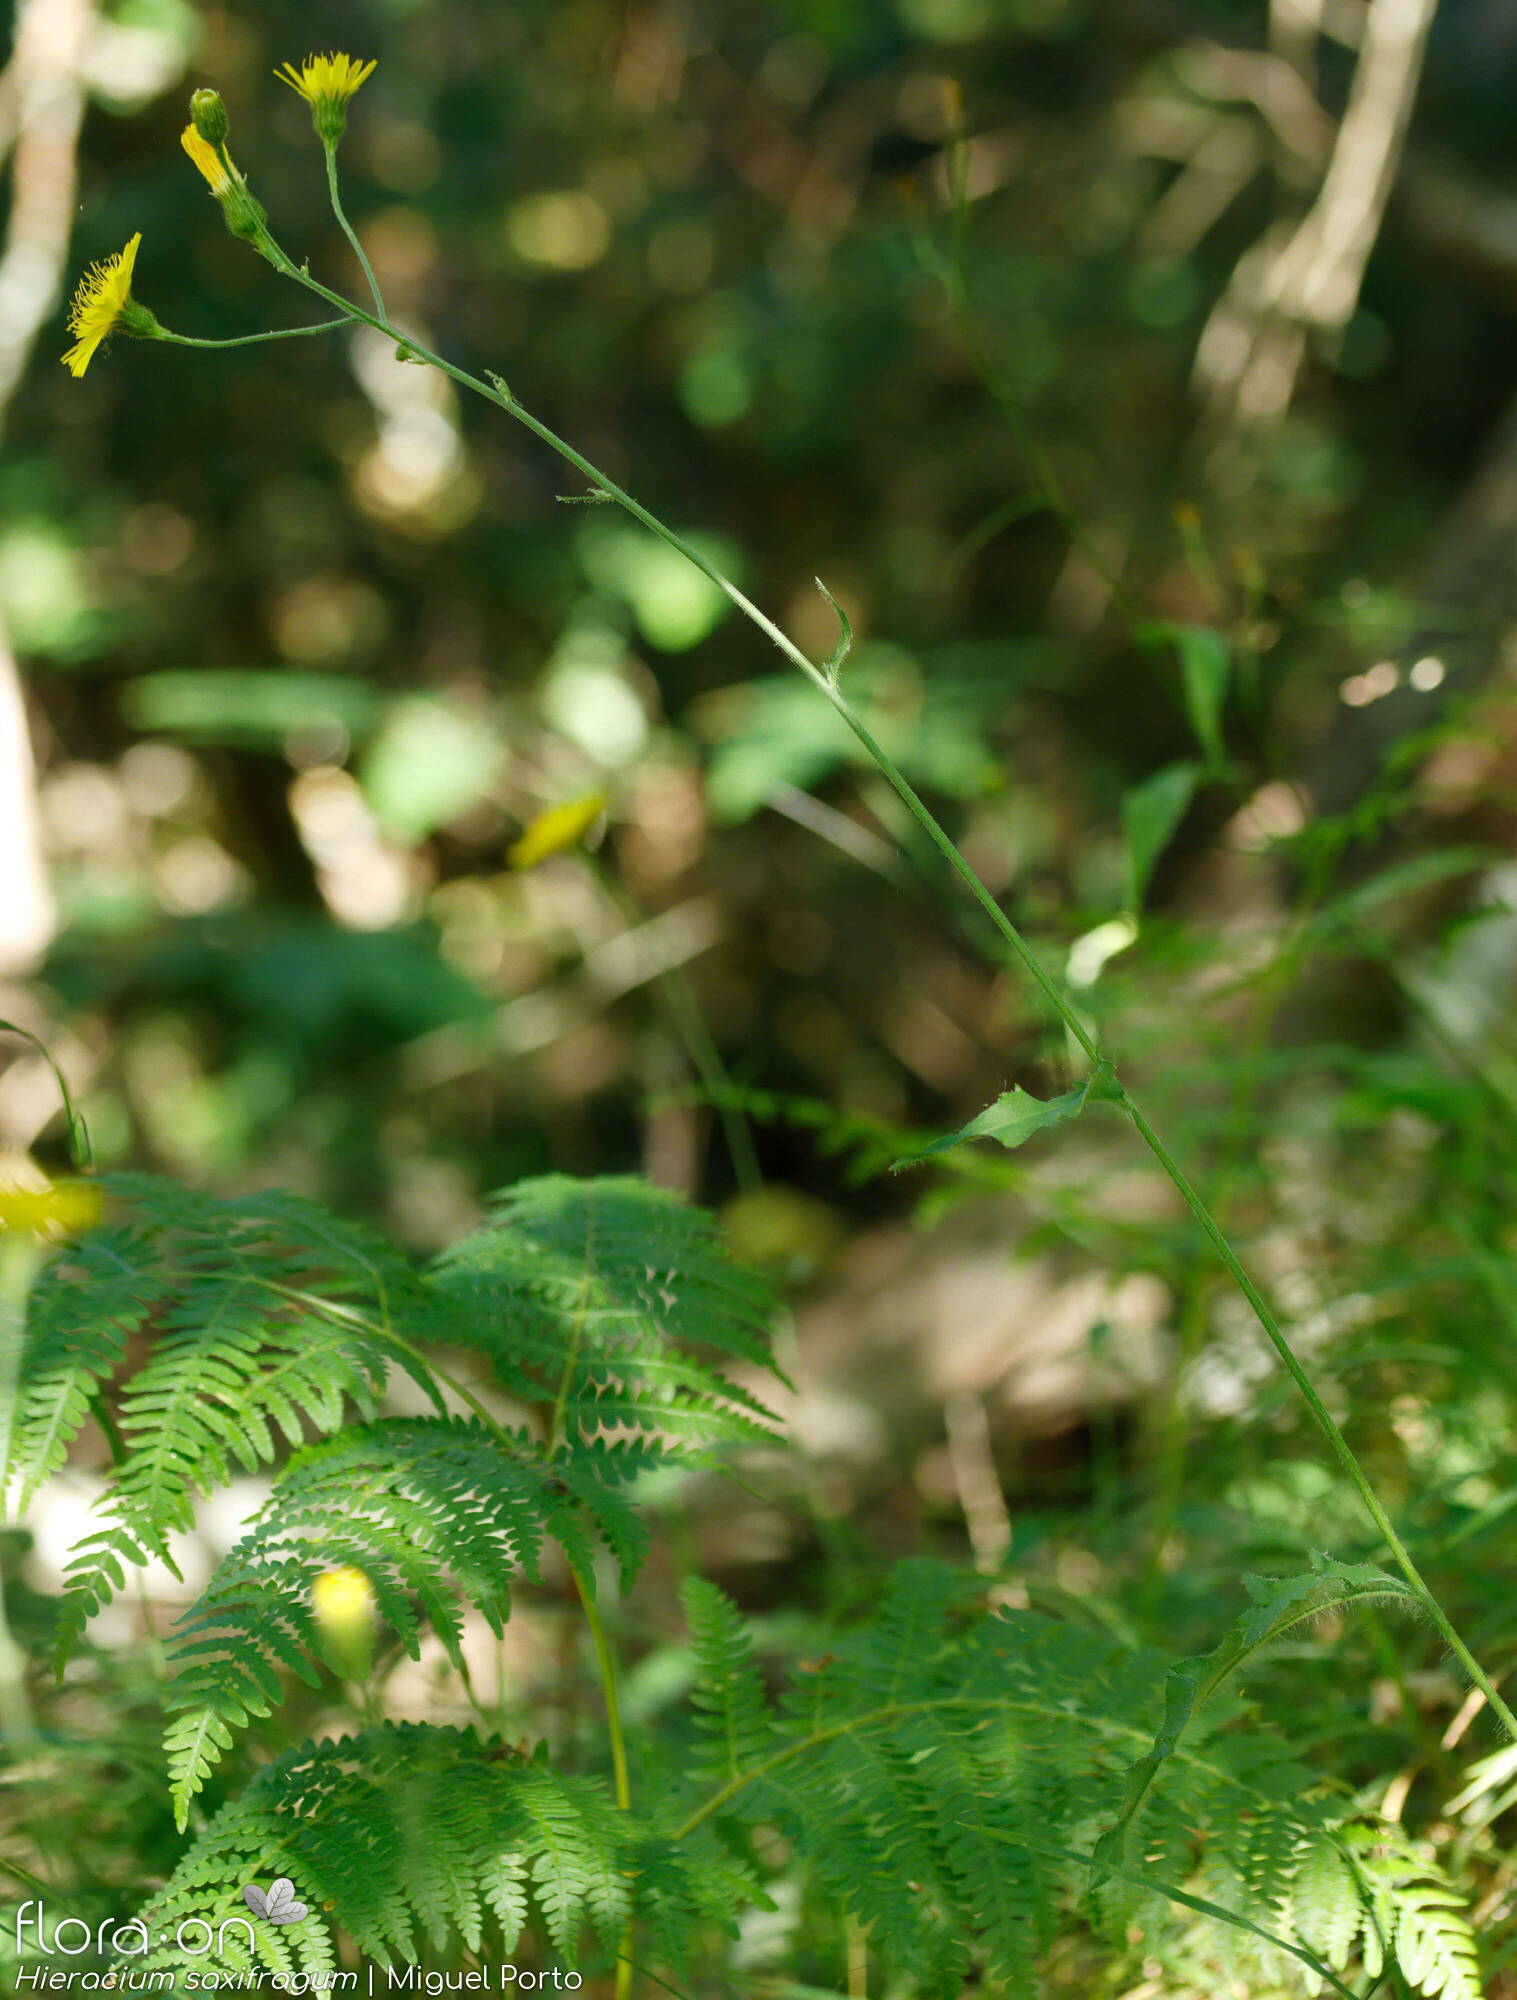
(349, 231)
(1032, 965)
(252, 339)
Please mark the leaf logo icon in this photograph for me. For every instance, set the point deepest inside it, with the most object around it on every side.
(278, 1906)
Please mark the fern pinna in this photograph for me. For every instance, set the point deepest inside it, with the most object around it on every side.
(975, 1790)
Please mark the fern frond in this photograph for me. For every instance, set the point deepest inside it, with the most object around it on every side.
(85, 1305)
(1326, 1906)
(431, 1509)
(945, 1775)
(1412, 1914)
(732, 1714)
(407, 1834)
(270, 1320)
(603, 1302)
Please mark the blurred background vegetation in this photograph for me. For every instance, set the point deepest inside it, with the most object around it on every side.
(305, 641)
(1013, 321)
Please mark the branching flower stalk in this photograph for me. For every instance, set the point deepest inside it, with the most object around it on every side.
(327, 83)
(827, 683)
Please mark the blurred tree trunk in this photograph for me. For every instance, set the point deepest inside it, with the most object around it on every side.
(41, 105)
(26, 903)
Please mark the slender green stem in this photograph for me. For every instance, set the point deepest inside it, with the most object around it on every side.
(100, 1410)
(1032, 965)
(349, 231)
(571, 1355)
(254, 339)
(1174, 1428)
(25, 1876)
(78, 1131)
(621, 1784)
(20, 1260)
(700, 1045)
(1218, 1912)
(856, 1941)
(605, 1664)
(1263, 1312)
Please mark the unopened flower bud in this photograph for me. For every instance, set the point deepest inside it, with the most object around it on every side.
(242, 212)
(208, 115)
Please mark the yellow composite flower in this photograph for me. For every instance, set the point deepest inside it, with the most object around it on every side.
(66, 1208)
(100, 303)
(326, 83)
(554, 830)
(207, 159)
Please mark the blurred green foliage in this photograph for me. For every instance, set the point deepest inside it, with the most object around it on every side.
(312, 640)
(309, 642)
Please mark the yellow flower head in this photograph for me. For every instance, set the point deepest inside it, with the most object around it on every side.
(557, 828)
(326, 83)
(208, 160)
(67, 1208)
(344, 1603)
(102, 303)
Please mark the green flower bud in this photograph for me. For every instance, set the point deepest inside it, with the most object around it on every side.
(208, 114)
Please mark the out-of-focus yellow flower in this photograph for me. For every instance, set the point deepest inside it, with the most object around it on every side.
(326, 83)
(67, 1208)
(102, 302)
(208, 160)
(554, 830)
(344, 1603)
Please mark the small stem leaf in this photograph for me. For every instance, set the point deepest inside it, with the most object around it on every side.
(834, 665)
(1206, 666)
(1016, 1115)
(1151, 813)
